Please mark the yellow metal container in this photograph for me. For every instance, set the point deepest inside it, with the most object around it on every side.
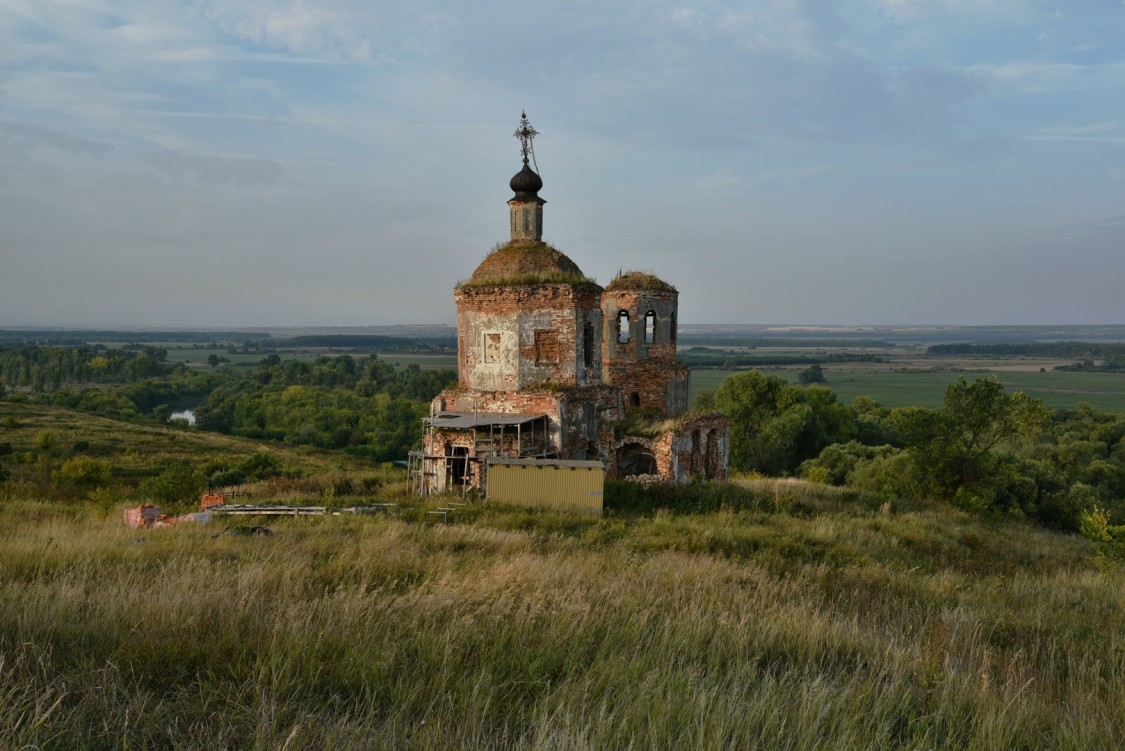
(551, 484)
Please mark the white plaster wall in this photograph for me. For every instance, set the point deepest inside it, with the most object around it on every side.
(485, 376)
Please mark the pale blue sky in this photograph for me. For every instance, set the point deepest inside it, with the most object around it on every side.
(345, 162)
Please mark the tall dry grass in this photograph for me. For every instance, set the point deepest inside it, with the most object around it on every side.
(751, 629)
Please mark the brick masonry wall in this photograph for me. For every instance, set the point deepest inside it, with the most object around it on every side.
(637, 303)
(647, 373)
(522, 316)
(659, 386)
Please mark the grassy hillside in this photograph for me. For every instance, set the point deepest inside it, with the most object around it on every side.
(808, 618)
(43, 439)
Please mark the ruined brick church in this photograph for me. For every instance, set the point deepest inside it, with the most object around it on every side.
(552, 367)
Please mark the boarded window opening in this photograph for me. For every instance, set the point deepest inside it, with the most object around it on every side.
(623, 327)
(492, 348)
(650, 327)
(546, 347)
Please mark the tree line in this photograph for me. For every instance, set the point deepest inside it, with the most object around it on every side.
(51, 368)
(983, 450)
(1032, 349)
(365, 406)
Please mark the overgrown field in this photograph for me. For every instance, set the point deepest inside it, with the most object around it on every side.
(807, 617)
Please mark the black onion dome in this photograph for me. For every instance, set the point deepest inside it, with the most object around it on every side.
(526, 183)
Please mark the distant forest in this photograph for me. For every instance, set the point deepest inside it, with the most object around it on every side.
(1077, 350)
(370, 342)
(762, 341)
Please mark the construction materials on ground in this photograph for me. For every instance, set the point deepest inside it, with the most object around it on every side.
(243, 509)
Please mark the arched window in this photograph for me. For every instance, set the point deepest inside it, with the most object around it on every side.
(588, 344)
(623, 327)
(672, 323)
(650, 327)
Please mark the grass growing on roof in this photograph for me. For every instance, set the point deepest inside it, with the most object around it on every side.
(526, 263)
(639, 280)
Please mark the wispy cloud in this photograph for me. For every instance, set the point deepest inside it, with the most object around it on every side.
(798, 174)
(1107, 132)
(267, 126)
(41, 136)
(214, 169)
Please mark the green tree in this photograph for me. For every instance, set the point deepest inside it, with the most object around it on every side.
(775, 426)
(955, 448)
(812, 374)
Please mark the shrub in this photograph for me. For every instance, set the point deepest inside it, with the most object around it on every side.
(103, 499)
(225, 478)
(1094, 524)
(260, 466)
(85, 470)
(174, 487)
(889, 474)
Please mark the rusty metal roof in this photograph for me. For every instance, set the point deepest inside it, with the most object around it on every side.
(563, 463)
(479, 419)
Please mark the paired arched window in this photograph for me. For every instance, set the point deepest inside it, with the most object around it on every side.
(623, 332)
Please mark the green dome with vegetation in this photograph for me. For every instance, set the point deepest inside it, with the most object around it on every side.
(639, 280)
(526, 262)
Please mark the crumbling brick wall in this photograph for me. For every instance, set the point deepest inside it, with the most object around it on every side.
(576, 415)
(701, 448)
(698, 448)
(658, 386)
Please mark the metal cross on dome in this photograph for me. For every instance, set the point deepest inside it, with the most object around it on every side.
(526, 134)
